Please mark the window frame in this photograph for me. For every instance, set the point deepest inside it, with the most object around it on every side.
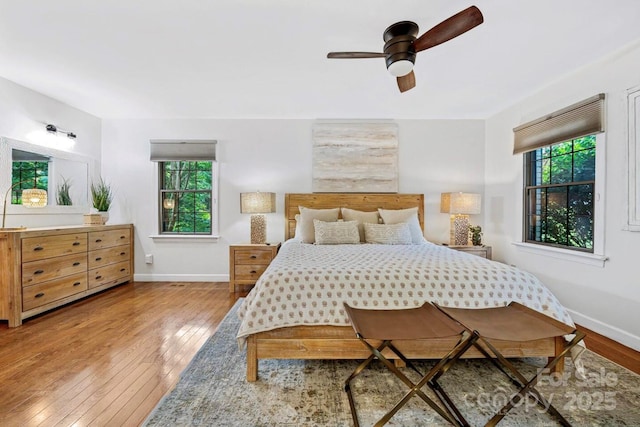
(597, 253)
(214, 203)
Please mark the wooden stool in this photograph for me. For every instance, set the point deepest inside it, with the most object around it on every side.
(422, 323)
(517, 323)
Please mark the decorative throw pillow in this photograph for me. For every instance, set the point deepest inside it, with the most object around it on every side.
(388, 234)
(410, 216)
(307, 215)
(336, 233)
(361, 217)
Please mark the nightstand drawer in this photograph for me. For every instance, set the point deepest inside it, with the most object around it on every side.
(249, 271)
(248, 262)
(481, 251)
(253, 256)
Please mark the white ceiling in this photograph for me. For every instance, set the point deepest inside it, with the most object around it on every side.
(267, 58)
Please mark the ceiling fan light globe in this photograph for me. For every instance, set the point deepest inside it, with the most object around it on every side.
(400, 68)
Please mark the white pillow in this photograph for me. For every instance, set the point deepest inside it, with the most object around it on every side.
(307, 215)
(410, 216)
(361, 217)
(336, 233)
(388, 234)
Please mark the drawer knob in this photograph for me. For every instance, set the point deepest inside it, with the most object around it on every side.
(253, 257)
(122, 237)
(122, 253)
(38, 272)
(38, 248)
(98, 240)
(76, 243)
(98, 277)
(76, 284)
(75, 264)
(253, 272)
(99, 258)
(123, 269)
(40, 295)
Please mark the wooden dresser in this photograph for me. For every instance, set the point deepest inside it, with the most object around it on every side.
(247, 262)
(44, 268)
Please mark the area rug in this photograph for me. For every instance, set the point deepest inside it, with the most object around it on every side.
(213, 391)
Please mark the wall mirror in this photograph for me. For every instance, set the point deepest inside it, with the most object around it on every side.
(48, 169)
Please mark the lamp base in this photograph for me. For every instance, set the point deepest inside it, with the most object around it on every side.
(459, 234)
(258, 229)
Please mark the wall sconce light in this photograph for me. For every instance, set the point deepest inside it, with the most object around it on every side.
(257, 204)
(31, 198)
(54, 129)
(460, 206)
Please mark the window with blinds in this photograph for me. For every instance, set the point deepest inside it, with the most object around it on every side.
(560, 175)
(187, 186)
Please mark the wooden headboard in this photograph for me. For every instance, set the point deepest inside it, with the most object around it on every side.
(358, 201)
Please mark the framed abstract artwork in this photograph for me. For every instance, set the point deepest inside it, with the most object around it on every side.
(355, 157)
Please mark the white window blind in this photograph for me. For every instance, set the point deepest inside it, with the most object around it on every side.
(575, 121)
(164, 150)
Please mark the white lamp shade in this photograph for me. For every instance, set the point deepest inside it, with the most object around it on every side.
(460, 203)
(257, 203)
(34, 198)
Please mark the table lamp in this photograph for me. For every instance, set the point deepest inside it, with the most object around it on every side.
(257, 204)
(460, 206)
(31, 198)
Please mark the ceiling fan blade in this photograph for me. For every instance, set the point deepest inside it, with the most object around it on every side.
(458, 24)
(355, 55)
(407, 82)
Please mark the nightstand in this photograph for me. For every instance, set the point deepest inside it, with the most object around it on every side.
(482, 251)
(248, 261)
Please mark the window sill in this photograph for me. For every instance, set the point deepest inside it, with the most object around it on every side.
(563, 254)
(184, 238)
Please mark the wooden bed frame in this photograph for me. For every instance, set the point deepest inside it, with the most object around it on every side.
(339, 342)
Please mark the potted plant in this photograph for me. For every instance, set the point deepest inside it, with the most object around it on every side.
(62, 193)
(102, 196)
(476, 235)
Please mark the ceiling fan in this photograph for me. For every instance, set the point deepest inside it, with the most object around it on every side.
(402, 43)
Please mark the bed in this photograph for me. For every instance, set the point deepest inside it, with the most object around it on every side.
(295, 309)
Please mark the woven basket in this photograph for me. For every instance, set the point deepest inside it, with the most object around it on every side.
(94, 219)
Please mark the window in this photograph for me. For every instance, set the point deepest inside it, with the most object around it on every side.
(559, 194)
(187, 187)
(564, 177)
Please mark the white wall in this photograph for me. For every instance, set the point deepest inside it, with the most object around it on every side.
(23, 115)
(269, 155)
(605, 299)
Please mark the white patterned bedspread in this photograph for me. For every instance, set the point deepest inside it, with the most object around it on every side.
(307, 284)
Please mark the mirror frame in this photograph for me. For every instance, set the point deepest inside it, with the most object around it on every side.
(6, 159)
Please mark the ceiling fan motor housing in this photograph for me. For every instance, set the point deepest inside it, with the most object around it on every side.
(398, 46)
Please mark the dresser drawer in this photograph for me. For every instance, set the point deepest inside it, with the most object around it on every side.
(102, 257)
(35, 248)
(35, 272)
(109, 274)
(107, 239)
(249, 271)
(53, 290)
(253, 256)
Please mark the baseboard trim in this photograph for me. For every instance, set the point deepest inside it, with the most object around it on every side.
(608, 331)
(181, 277)
(612, 350)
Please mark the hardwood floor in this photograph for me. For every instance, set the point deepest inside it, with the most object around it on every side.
(106, 360)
